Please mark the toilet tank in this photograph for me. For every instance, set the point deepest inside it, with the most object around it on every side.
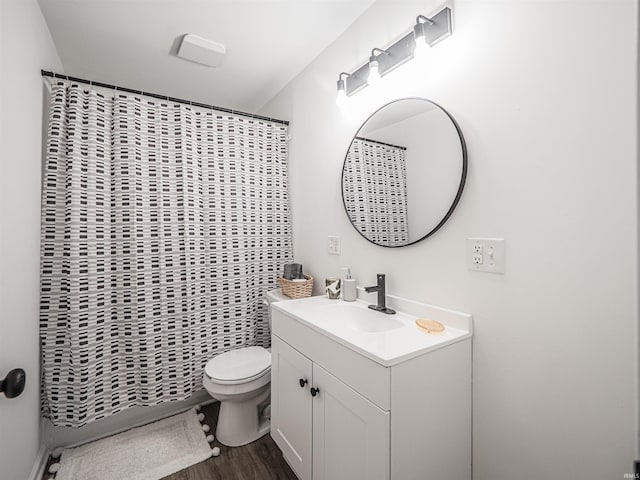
(274, 296)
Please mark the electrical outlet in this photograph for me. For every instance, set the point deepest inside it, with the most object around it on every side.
(486, 255)
(333, 245)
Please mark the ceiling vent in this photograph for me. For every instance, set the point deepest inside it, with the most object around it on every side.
(200, 50)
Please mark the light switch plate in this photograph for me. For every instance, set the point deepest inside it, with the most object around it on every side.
(333, 245)
(486, 255)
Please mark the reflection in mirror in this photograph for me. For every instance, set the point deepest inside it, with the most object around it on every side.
(404, 172)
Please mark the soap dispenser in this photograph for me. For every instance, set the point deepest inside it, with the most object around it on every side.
(349, 287)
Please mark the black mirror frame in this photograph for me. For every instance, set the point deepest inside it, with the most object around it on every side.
(463, 177)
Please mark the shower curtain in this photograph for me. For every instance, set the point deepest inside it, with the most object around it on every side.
(163, 225)
(375, 191)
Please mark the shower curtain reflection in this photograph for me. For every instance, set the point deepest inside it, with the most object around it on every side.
(374, 186)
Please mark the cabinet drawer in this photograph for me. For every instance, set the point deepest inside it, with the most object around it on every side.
(365, 376)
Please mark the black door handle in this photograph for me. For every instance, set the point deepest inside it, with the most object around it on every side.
(13, 383)
(314, 391)
(303, 382)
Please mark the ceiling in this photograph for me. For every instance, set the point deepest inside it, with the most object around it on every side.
(132, 43)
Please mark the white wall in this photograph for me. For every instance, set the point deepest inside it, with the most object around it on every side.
(545, 94)
(25, 48)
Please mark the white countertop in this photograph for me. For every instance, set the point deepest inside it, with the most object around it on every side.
(404, 340)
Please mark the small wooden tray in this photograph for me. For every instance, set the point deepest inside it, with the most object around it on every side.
(430, 326)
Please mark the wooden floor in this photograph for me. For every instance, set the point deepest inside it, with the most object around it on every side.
(260, 460)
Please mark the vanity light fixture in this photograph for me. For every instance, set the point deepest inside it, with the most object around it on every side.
(425, 33)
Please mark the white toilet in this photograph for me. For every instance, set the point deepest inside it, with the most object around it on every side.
(241, 380)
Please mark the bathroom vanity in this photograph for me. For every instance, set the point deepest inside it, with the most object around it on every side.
(357, 394)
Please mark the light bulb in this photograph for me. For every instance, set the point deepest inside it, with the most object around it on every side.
(421, 42)
(374, 73)
(421, 48)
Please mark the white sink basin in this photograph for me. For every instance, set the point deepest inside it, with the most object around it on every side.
(363, 319)
(386, 339)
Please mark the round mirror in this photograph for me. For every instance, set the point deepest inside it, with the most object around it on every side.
(404, 172)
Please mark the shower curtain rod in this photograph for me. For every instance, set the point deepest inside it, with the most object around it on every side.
(161, 97)
(381, 143)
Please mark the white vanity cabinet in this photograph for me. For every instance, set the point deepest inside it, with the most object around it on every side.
(364, 419)
(325, 429)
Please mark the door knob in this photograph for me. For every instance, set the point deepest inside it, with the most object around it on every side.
(314, 391)
(13, 383)
(303, 382)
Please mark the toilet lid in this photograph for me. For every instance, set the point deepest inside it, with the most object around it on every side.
(239, 365)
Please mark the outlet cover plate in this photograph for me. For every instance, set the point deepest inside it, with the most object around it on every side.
(486, 255)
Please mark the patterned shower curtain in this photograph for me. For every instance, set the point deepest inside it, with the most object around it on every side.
(163, 225)
(375, 191)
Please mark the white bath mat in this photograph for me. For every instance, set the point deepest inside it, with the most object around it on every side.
(149, 452)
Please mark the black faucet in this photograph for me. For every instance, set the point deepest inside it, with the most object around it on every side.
(382, 293)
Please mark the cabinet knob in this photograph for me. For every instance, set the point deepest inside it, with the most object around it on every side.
(303, 382)
(314, 391)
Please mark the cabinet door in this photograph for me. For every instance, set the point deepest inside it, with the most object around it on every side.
(350, 434)
(291, 417)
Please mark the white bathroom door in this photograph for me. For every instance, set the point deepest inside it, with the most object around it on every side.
(350, 434)
(291, 405)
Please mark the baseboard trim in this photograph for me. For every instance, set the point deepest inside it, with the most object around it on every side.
(40, 463)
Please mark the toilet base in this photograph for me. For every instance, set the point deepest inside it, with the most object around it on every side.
(240, 423)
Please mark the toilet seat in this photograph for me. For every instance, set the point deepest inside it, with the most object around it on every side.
(242, 365)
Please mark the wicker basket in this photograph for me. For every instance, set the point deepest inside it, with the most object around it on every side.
(296, 289)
